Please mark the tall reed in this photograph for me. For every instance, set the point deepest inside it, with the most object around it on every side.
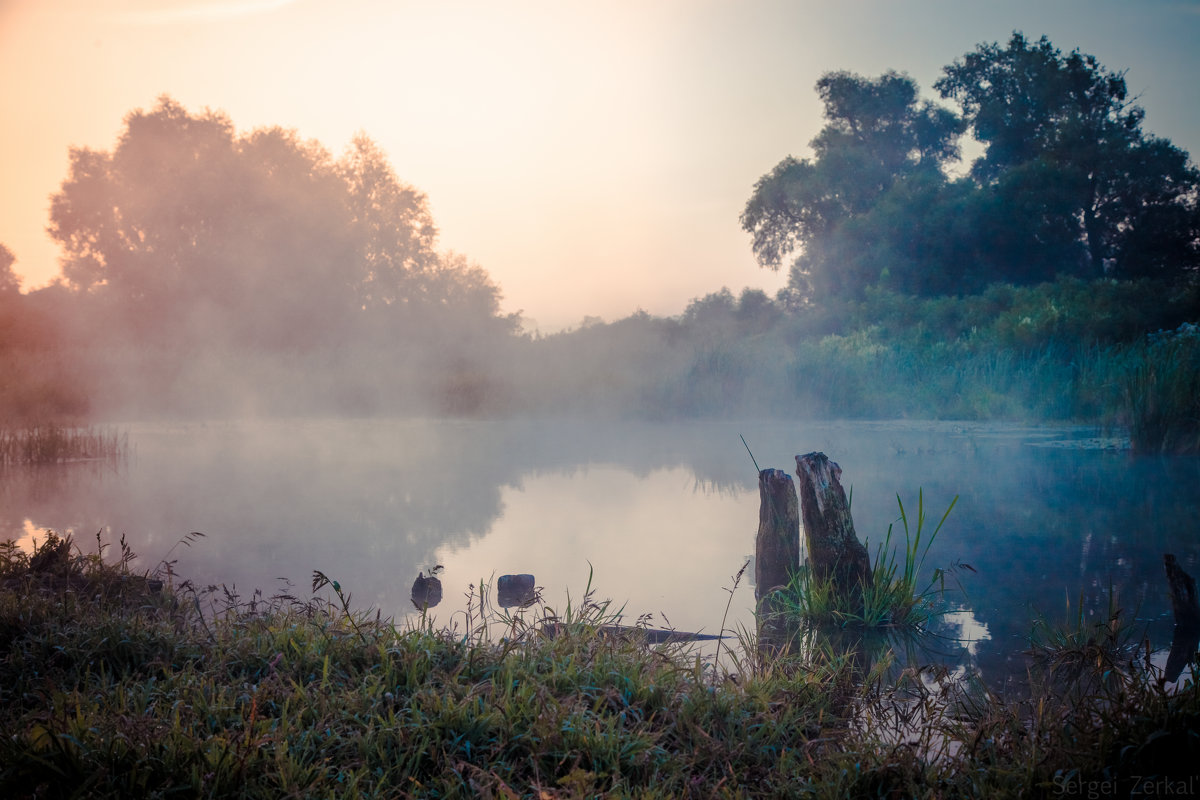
(896, 597)
(1161, 386)
(55, 444)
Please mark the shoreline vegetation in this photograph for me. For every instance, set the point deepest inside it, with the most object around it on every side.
(913, 292)
(58, 444)
(1124, 356)
(116, 682)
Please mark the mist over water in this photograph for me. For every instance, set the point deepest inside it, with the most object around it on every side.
(664, 514)
(384, 417)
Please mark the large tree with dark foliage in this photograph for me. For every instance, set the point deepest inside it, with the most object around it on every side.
(1069, 179)
(1069, 183)
(880, 141)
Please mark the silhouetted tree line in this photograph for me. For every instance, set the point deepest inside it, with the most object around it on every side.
(1068, 183)
(213, 272)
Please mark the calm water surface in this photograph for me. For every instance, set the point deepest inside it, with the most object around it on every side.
(661, 515)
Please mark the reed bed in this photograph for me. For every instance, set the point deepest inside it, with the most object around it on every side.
(115, 683)
(1161, 386)
(56, 444)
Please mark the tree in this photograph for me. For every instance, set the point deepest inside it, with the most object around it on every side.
(756, 312)
(878, 136)
(1071, 181)
(43, 381)
(191, 231)
(404, 283)
(917, 239)
(10, 284)
(188, 231)
(392, 225)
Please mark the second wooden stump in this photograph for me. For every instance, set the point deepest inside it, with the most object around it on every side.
(834, 551)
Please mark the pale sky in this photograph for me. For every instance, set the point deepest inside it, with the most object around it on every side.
(593, 157)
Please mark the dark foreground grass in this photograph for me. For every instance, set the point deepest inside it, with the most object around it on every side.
(115, 684)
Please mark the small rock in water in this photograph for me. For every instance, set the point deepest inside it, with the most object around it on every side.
(515, 590)
(426, 591)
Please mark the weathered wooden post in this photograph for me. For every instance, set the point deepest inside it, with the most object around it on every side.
(834, 551)
(1187, 618)
(777, 545)
(1183, 594)
(776, 559)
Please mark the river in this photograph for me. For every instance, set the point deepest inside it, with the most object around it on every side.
(661, 516)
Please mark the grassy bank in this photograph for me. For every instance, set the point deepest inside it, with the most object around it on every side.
(895, 598)
(115, 683)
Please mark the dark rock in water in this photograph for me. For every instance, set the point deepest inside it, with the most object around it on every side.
(1186, 607)
(426, 591)
(515, 590)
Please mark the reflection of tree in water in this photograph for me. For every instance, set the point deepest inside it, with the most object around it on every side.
(281, 500)
(357, 500)
(1041, 526)
(58, 491)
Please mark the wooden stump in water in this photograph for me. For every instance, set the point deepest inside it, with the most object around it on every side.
(1183, 594)
(834, 551)
(1187, 618)
(777, 545)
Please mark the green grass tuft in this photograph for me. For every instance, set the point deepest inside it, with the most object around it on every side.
(896, 597)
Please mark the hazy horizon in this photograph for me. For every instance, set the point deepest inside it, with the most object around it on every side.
(593, 159)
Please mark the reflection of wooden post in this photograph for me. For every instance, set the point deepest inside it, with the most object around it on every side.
(834, 551)
(777, 545)
(1187, 618)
